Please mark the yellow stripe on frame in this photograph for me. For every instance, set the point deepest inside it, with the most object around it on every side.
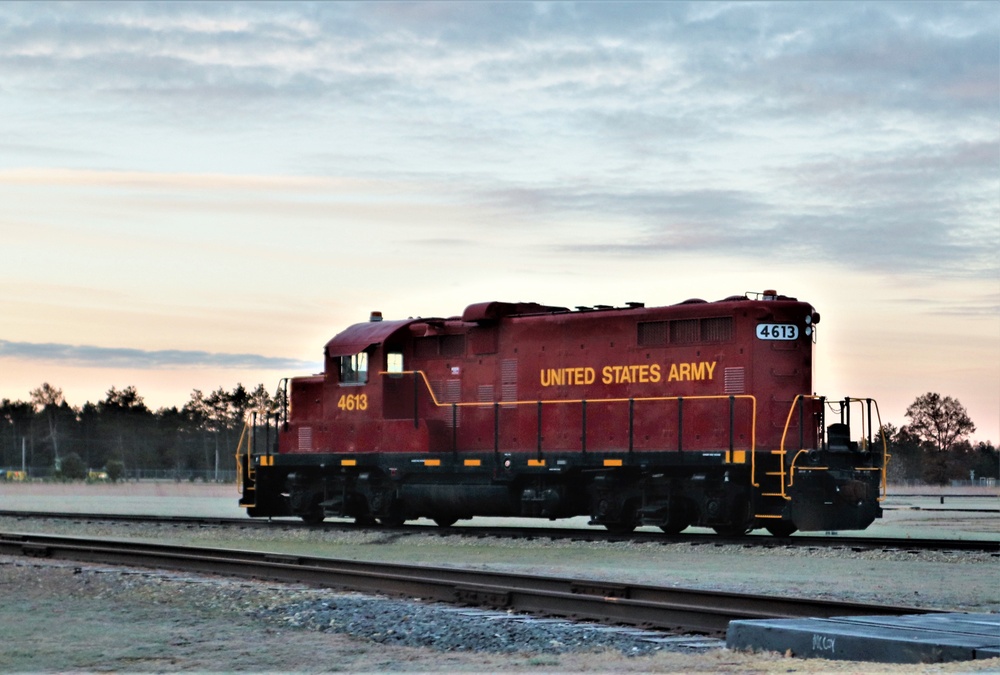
(348, 462)
(432, 462)
(739, 456)
(612, 462)
(473, 462)
(536, 462)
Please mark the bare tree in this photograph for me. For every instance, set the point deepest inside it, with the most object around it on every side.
(47, 399)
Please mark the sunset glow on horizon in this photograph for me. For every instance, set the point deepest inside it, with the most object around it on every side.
(199, 195)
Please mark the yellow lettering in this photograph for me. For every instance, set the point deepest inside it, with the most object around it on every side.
(695, 371)
(554, 377)
(352, 402)
(642, 373)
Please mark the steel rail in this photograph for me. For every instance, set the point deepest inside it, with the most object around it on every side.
(588, 534)
(663, 608)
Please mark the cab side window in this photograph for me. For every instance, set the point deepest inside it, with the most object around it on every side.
(354, 368)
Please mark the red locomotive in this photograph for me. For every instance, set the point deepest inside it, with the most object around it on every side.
(695, 414)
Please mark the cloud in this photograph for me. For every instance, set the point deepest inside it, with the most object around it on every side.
(820, 56)
(860, 132)
(119, 357)
(978, 306)
(863, 218)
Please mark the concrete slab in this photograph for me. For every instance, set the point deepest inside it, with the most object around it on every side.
(918, 638)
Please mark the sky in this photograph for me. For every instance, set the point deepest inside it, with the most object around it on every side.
(198, 195)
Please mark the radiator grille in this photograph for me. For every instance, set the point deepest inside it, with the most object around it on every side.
(305, 439)
(453, 394)
(684, 331)
(508, 380)
(735, 380)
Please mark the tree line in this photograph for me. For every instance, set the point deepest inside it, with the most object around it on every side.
(121, 436)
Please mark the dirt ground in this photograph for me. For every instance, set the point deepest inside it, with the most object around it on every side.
(69, 617)
(61, 617)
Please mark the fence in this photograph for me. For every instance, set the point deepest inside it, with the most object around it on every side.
(979, 482)
(176, 475)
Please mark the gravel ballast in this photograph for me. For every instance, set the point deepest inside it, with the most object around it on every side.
(445, 628)
(60, 616)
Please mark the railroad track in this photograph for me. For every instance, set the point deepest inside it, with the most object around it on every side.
(578, 534)
(662, 608)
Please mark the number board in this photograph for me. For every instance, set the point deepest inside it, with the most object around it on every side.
(777, 331)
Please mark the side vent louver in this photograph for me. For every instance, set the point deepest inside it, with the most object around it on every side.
(735, 379)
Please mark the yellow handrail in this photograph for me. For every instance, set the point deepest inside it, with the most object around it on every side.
(239, 460)
(486, 404)
(885, 446)
(788, 420)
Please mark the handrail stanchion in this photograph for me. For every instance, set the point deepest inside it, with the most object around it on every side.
(631, 425)
(496, 431)
(267, 431)
(454, 427)
(416, 408)
(539, 430)
(822, 421)
(732, 424)
(802, 424)
(870, 425)
(680, 424)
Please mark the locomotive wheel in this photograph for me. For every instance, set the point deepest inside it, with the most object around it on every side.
(679, 520)
(674, 528)
(732, 530)
(394, 518)
(314, 517)
(782, 528)
(445, 521)
(628, 519)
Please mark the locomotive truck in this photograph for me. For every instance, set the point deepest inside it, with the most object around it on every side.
(695, 414)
